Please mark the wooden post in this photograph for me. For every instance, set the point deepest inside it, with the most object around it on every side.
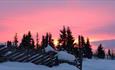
(80, 57)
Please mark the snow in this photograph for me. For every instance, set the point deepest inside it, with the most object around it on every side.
(30, 66)
(49, 48)
(92, 64)
(65, 66)
(9, 52)
(63, 55)
(98, 64)
(2, 43)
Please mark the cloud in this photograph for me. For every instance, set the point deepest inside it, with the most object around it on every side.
(108, 28)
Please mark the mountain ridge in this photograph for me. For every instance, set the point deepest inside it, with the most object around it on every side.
(106, 43)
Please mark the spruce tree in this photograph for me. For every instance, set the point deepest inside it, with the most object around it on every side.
(76, 50)
(88, 51)
(45, 40)
(63, 38)
(100, 52)
(27, 42)
(23, 43)
(81, 43)
(9, 45)
(66, 40)
(50, 42)
(37, 42)
(70, 41)
(110, 54)
(16, 40)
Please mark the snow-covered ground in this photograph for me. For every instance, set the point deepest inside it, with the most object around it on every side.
(87, 65)
(30, 66)
(98, 64)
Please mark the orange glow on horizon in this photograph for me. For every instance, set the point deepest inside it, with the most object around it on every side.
(55, 42)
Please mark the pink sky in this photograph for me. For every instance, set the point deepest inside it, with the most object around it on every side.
(93, 19)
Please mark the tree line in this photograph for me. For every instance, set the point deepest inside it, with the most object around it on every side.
(66, 42)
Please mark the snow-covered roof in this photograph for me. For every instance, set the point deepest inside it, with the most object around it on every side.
(49, 48)
(63, 55)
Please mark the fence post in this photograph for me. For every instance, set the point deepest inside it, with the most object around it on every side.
(80, 57)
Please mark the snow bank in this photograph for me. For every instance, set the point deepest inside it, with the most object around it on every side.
(64, 66)
(87, 65)
(49, 48)
(98, 64)
(30, 66)
(62, 55)
(21, 66)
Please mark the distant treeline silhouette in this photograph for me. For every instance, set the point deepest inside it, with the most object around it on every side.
(66, 42)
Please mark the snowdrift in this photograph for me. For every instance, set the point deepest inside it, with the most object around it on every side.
(98, 64)
(63, 55)
(30, 66)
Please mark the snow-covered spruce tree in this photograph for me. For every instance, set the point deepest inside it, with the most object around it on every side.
(100, 52)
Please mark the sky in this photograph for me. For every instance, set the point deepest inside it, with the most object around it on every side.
(92, 18)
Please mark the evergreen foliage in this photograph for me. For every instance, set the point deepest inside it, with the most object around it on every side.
(100, 52)
(66, 40)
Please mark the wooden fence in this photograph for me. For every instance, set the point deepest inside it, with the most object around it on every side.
(42, 58)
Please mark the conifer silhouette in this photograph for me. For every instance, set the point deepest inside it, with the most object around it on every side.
(100, 52)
